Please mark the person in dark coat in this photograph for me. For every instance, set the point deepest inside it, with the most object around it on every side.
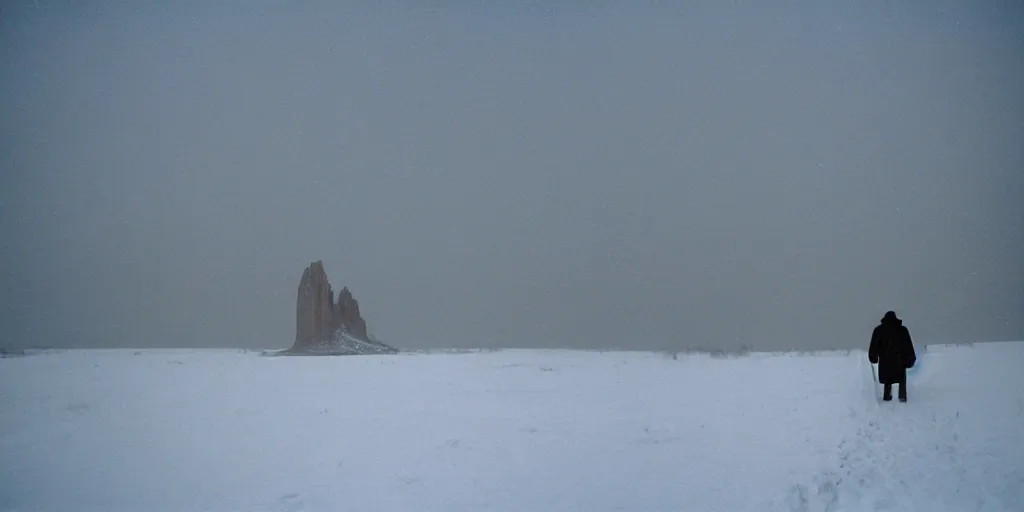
(893, 350)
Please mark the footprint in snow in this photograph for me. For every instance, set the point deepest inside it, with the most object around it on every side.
(291, 502)
(78, 408)
(409, 480)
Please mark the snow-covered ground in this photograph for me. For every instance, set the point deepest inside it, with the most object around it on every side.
(510, 431)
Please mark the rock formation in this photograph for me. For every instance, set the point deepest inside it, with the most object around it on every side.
(345, 315)
(325, 326)
(313, 310)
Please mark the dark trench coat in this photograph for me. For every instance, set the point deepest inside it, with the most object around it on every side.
(893, 350)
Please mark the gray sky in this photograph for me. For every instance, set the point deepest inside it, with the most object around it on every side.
(570, 174)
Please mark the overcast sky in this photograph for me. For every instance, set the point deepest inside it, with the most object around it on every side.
(557, 174)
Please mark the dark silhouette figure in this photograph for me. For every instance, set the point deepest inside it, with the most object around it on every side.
(893, 350)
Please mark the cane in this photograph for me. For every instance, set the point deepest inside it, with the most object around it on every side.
(874, 382)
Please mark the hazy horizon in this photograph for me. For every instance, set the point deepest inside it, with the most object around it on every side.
(706, 175)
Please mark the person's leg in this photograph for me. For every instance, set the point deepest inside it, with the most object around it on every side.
(887, 391)
(903, 389)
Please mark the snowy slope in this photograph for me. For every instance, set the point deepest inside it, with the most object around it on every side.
(516, 430)
(343, 344)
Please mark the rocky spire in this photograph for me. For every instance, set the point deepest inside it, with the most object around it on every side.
(346, 315)
(318, 316)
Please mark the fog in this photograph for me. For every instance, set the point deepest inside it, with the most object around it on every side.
(508, 174)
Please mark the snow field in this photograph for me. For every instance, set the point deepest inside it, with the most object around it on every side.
(510, 431)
